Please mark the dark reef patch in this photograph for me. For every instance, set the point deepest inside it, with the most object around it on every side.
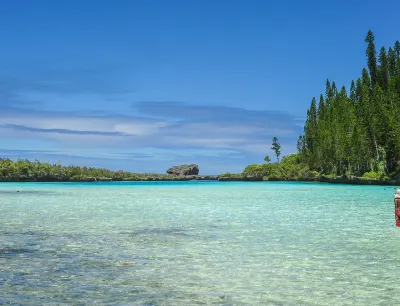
(159, 232)
(26, 192)
(9, 252)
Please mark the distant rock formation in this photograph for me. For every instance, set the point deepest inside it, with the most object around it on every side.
(184, 170)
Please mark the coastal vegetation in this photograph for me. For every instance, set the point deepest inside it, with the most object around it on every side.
(357, 133)
(290, 168)
(36, 171)
(349, 138)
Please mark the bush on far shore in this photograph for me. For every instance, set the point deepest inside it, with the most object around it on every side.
(289, 169)
(25, 170)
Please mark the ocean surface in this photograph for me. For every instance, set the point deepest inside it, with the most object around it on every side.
(195, 243)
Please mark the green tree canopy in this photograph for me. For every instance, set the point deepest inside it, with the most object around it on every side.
(267, 159)
(276, 147)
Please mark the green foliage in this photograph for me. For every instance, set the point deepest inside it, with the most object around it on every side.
(370, 175)
(357, 134)
(291, 168)
(230, 175)
(371, 56)
(258, 170)
(276, 147)
(25, 170)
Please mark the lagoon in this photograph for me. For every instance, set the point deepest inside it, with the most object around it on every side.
(189, 243)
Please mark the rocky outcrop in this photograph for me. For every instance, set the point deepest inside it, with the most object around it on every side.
(184, 170)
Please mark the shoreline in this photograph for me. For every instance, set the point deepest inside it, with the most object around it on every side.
(219, 178)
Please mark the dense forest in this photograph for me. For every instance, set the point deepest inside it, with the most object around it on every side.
(351, 134)
(347, 136)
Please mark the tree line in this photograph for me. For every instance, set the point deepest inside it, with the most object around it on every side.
(357, 132)
(25, 170)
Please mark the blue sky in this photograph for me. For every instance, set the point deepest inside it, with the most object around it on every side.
(143, 85)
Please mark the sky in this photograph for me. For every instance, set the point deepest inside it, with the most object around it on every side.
(144, 85)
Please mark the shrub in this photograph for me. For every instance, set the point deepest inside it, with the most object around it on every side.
(371, 175)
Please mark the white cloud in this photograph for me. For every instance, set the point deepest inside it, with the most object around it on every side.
(227, 133)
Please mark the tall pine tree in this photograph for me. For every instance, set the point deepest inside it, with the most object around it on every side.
(392, 62)
(371, 56)
(397, 48)
(383, 69)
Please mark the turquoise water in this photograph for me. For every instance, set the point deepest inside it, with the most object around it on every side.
(189, 243)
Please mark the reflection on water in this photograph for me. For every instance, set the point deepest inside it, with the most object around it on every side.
(230, 244)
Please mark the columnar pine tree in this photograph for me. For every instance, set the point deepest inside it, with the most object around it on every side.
(397, 48)
(383, 69)
(392, 62)
(353, 95)
(276, 147)
(371, 56)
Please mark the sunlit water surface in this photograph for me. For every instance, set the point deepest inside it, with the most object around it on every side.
(188, 243)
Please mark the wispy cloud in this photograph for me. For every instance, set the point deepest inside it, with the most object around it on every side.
(220, 114)
(222, 127)
(154, 131)
(23, 128)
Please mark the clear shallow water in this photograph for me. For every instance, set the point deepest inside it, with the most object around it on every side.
(188, 243)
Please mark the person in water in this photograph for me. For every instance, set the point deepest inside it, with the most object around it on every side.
(397, 207)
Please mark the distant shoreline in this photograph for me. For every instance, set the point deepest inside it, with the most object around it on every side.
(220, 178)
